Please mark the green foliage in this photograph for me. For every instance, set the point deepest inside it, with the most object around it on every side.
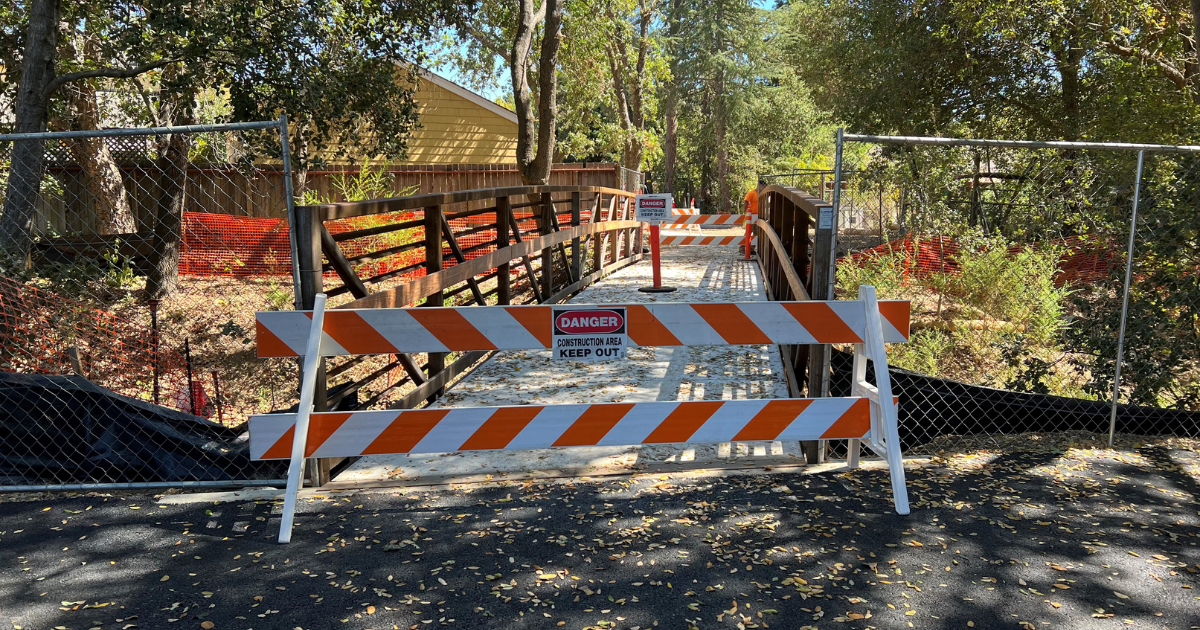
(997, 321)
(885, 272)
(1097, 70)
(367, 183)
(1017, 287)
(1162, 338)
(279, 298)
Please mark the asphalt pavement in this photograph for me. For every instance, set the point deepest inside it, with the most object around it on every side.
(1081, 539)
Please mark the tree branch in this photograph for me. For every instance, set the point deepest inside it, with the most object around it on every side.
(109, 73)
(1130, 52)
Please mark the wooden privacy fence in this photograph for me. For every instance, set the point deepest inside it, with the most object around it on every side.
(258, 190)
(493, 246)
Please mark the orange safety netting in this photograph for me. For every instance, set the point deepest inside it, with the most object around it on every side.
(232, 246)
(39, 331)
(1085, 259)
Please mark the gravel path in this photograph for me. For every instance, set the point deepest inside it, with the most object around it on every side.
(1081, 539)
(702, 274)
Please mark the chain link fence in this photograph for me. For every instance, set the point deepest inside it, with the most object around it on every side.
(869, 208)
(1015, 255)
(133, 263)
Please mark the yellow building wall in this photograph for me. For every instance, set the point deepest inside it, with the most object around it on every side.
(456, 131)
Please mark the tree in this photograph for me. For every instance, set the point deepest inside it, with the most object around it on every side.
(334, 65)
(716, 69)
(1096, 70)
(629, 78)
(671, 114)
(534, 164)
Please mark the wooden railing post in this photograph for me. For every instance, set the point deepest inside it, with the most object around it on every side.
(433, 264)
(503, 271)
(819, 355)
(547, 210)
(308, 253)
(598, 239)
(576, 259)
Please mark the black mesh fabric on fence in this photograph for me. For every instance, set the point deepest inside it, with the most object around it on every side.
(938, 414)
(68, 430)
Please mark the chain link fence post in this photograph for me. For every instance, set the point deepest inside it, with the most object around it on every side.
(1133, 219)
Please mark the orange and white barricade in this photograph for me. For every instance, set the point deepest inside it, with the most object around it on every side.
(869, 415)
(689, 211)
(711, 220)
(703, 240)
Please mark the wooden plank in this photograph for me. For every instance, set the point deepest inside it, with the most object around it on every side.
(438, 382)
(342, 266)
(457, 252)
(576, 260)
(779, 258)
(516, 232)
(503, 270)
(348, 209)
(433, 265)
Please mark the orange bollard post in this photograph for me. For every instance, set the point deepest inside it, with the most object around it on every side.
(656, 263)
(749, 220)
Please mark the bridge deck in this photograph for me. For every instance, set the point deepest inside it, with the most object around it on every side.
(702, 274)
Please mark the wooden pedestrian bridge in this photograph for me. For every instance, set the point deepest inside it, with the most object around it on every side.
(554, 245)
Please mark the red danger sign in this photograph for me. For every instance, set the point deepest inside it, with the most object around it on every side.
(589, 322)
(590, 334)
(653, 208)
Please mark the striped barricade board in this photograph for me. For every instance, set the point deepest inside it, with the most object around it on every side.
(867, 416)
(703, 240)
(388, 331)
(353, 434)
(728, 220)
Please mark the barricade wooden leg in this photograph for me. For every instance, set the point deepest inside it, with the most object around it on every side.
(308, 388)
(858, 376)
(886, 405)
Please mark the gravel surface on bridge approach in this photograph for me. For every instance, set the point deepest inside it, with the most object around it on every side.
(532, 377)
(1049, 539)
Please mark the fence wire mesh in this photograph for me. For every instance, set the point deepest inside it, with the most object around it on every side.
(134, 263)
(1015, 260)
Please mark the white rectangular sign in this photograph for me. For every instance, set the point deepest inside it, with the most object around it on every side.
(590, 333)
(825, 222)
(654, 208)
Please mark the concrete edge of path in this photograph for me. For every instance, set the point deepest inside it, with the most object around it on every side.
(760, 466)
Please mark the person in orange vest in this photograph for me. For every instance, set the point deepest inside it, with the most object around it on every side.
(752, 197)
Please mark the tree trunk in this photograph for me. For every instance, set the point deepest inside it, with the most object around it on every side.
(101, 174)
(31, 113)
(548, 94)
(671, 141)
(1195, 60)
(706, 170)
(723, 192)
(534, 165)
(172, 165)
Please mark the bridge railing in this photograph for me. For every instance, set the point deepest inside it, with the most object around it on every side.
(494, 246)
(785, 232)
